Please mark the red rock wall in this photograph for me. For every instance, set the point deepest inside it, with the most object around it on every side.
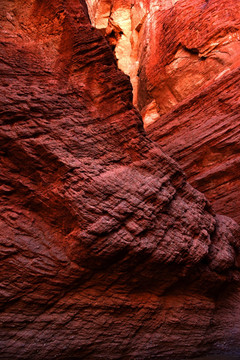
(203, 134)
(107, 251)
(187, 45)
(184, 67)
(193, 75)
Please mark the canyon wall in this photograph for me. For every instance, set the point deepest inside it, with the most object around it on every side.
(195, 83)
(107, 252)
(183, 58)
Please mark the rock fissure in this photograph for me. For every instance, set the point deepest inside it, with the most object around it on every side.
(173, 52)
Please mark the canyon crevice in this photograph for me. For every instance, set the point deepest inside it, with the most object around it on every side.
(107, 251)
(183, 60)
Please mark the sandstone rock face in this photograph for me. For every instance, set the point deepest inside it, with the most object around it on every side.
(186, 46)
(203, 134)
(184, 67)
(194, 79)
(107, 252)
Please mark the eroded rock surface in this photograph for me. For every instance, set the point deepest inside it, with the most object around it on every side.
(184, 67)
(203, 134)
(107, 251)
(195, 81)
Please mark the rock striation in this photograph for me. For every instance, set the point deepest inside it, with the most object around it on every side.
(194, 86)
(203, 134)
(107, 251)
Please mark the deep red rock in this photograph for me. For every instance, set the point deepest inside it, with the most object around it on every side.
(107, 251)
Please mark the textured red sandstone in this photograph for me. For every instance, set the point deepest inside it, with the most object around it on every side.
(107, 251)
(184, 47)
(194, 66)
(187, 56)
(200, 48)
(203, 134)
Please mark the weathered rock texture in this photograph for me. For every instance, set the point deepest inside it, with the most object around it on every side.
(184, 63)
(203, 134)
(197, 70)
(107, 252)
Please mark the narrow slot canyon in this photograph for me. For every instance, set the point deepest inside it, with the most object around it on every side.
(119, 180)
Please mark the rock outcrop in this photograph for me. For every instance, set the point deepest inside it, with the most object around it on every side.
(107, 252)
(183, 60)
